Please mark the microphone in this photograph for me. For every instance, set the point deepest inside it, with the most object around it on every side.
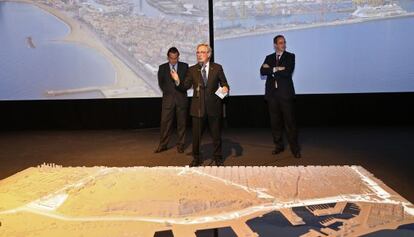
(201, 64)
(198, 86)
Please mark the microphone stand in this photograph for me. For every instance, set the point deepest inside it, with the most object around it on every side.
(199, 117)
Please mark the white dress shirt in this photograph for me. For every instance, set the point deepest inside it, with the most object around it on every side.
(207, 67)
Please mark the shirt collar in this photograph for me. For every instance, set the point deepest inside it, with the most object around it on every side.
(280, 53)
(175, 65)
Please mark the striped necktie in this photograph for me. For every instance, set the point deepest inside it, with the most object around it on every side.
(204, 75)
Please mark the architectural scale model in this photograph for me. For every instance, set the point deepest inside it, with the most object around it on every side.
(51, 200)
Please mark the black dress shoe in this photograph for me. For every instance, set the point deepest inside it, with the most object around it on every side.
(160, 149)
(297, 154)
(195, 162)
(277, 151)
(180, 149)
(219, 162)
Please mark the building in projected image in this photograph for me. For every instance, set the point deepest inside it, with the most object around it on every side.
(238, 17)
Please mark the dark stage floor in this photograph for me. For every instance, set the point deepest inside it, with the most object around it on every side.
(386, 152)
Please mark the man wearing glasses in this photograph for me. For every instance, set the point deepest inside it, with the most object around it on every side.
(174, 101)
(206, 107)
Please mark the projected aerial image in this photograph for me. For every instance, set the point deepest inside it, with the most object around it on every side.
(77, 49)
(341, 46)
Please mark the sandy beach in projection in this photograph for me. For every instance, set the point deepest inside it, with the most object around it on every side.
(127, 83)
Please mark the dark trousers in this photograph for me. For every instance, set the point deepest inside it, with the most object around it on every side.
(282, 115)
(167, 119)
(214, 124)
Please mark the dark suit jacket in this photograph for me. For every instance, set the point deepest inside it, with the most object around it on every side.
(285, 88)
(204, 98)
(170, 93)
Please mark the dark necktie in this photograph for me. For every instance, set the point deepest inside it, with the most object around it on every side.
(277, 65)
(173, 67)
(204, 74)
(277, 60)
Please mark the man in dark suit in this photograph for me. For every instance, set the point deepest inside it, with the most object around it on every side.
(206, 107)
(280, 95)
(174, 101)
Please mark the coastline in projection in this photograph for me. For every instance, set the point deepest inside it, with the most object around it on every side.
(93, 49)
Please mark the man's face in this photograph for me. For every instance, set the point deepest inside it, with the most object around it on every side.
(173, 58)
(202, 54)
(280, 45)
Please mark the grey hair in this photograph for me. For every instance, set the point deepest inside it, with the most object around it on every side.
(209, 50)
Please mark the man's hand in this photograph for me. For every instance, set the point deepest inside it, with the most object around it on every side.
(225, 89)
(265, 65)
(280, 68)
(174, 75)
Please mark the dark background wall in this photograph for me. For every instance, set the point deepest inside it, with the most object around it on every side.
(377, 109)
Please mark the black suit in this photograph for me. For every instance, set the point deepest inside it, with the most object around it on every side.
(174, 102)
(280, 96)
(206, 105)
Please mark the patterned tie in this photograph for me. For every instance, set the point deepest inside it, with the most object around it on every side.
(204, 74)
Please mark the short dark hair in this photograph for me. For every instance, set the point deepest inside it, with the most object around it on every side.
(173, 50)
(277, 37)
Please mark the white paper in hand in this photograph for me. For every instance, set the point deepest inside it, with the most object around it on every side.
(220, 93)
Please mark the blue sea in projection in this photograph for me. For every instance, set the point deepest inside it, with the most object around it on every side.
(373, 56)
(27, 72)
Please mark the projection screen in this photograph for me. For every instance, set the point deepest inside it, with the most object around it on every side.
(86, 49)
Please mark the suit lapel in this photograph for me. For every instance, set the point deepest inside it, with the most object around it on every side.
(210, 72)
(180, 68)
(284, 55)
(199, 77)
(167, 72)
